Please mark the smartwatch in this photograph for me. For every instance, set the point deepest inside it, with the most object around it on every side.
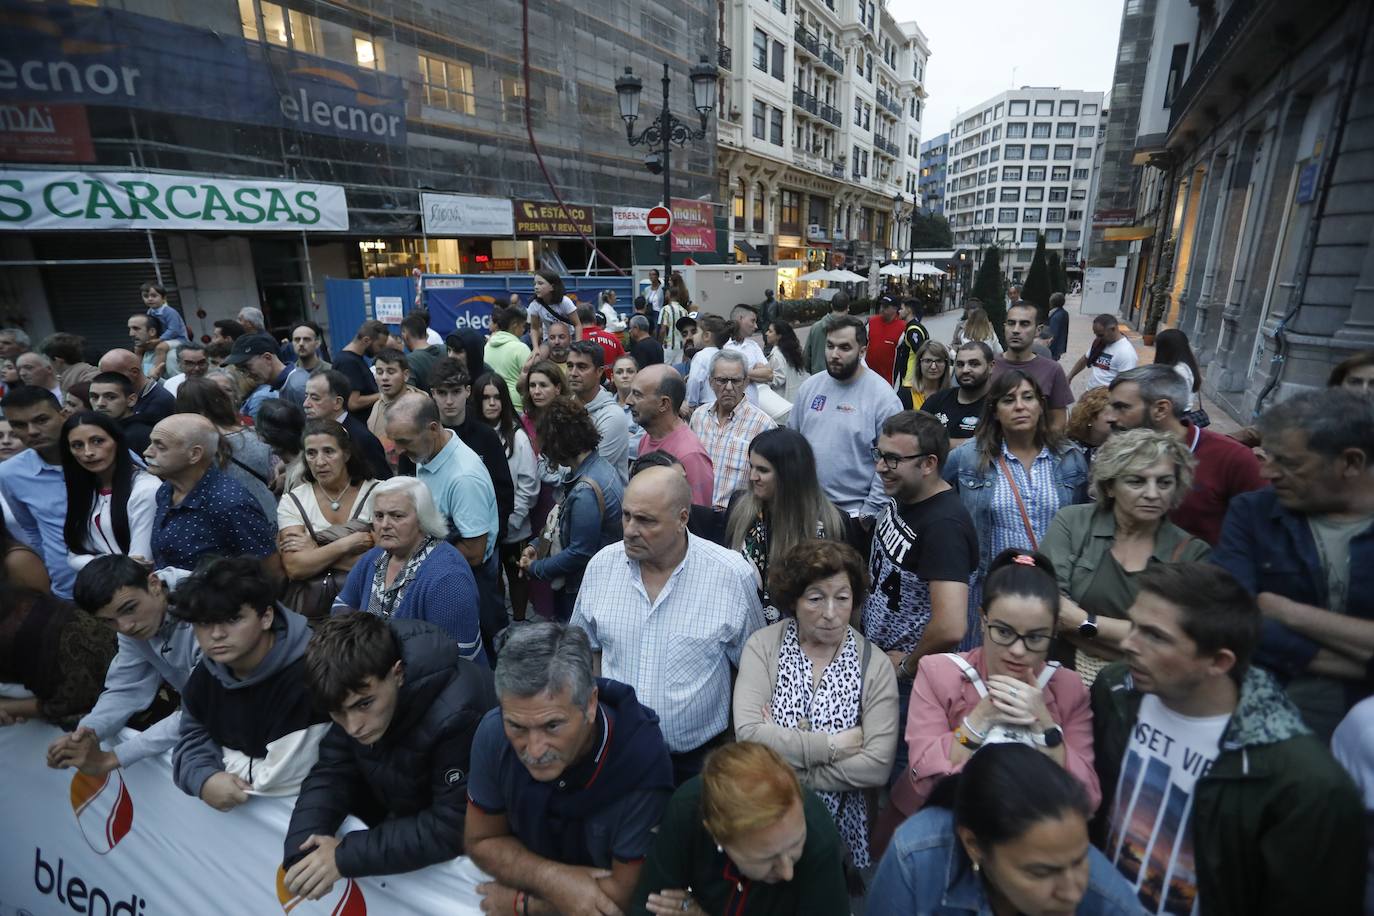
(1050, 737)
(1088, 628)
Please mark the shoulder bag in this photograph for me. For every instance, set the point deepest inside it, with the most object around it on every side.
(313, 597)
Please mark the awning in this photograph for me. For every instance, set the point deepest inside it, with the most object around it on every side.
(1127, 233)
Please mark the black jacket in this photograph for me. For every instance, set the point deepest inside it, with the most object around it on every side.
(411, 786)
(362, 437)
(483, 439)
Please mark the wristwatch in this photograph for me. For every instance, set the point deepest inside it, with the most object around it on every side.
(1050, 737)
(1088, 628)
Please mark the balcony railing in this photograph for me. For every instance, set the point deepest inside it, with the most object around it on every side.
(882, 98)
(723, 57)
(1232, 25)
(803, 99)
(831, 114)
(831, 59)
(809, 41)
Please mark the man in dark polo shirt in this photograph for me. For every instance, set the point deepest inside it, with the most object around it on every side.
(370, 340)
(1156, 397)
(570, 776)
(1020, 329)
(961, 407)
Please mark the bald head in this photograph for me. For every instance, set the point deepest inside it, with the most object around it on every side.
(412, 422)
(182, 448)
(656, 396)
(126, 364)
(655, 509)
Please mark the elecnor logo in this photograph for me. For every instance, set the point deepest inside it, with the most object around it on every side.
(301, 105)
(104, 811)
(345, 898)
(78, 895)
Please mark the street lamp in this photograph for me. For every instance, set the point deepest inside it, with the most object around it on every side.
(665, 131)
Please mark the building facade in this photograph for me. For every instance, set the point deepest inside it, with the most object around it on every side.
(1261, 201)
(930, 183)
(821, 105)
(368, 106)
(1021, 164)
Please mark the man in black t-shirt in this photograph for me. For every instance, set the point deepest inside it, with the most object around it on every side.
(925, 552)
(643, 347)
(961, 407)
(370, 340)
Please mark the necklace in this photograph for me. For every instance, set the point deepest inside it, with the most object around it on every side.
(334, 501)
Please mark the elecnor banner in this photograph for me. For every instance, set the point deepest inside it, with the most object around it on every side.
(76, 201)
(463, 214)
(694, 226)
(630, 221)
(132, 844)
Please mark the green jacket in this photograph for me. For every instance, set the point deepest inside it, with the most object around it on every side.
(815, 344)
(506, 354)
(1278, 827)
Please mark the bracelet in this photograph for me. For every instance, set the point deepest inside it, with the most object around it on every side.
(902, 667)
(981, 736)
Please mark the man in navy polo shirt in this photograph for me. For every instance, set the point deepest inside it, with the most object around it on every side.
(569, 778)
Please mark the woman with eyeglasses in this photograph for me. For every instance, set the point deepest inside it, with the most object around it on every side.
(932, 374)
(1002, 692)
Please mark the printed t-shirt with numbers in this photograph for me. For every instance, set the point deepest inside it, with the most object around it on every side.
(1151, 838)
(913, 545)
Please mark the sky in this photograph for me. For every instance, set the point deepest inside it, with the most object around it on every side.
(974, 44)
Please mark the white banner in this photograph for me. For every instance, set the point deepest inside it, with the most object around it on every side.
(77, 201)
(132, 844)
(630, 220)
(461, 214)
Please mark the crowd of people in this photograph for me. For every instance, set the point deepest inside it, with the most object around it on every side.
(664, 612)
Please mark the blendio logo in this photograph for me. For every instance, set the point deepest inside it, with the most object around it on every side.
(93, 901)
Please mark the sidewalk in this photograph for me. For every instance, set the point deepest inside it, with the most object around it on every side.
(942, 326)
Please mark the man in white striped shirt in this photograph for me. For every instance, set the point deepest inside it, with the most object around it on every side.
(668, 613)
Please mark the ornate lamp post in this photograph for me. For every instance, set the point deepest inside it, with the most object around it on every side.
(666, 131)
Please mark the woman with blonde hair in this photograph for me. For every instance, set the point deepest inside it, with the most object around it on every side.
(931, 373)
(1138, 478)
(978, 327)
(744, 838)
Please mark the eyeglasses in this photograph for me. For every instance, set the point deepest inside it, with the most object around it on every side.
(933, 362)
(891, 461)
(1004, 635)
(727, 382)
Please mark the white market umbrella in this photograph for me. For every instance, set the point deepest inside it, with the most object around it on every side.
(892, 270)
(817, 276)
(847, 276)
(926, 270)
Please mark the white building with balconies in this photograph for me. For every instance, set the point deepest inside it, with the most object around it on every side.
(819, 130)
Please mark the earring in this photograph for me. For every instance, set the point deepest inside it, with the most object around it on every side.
(977, 868)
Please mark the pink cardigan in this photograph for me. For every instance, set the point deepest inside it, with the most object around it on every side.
(940, 698)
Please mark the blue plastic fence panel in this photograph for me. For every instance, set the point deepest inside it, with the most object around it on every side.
(469, 306)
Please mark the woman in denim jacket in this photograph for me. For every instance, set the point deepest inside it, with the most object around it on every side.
(1013, 477)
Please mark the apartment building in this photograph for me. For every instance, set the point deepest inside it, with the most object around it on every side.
(930, 181)
(819, 134)
(1019, 164)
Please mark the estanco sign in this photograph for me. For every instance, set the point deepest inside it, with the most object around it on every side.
(76, 201)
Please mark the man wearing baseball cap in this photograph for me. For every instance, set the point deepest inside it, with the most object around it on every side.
(255, 355)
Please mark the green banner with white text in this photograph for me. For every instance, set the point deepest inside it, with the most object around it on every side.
(83, 201)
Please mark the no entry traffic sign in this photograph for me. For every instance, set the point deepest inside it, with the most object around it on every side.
(659, 220)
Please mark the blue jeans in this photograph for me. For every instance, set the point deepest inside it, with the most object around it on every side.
(491, 602)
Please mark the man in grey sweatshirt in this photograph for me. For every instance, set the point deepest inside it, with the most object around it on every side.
(153, 646)
(585, 359)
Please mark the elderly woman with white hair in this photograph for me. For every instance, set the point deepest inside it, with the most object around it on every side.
(413, 573)
(1098, 548)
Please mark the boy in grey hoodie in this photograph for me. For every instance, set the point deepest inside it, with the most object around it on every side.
(153, 647)
(247, 723)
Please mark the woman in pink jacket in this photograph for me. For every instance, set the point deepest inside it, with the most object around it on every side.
(1004, 691)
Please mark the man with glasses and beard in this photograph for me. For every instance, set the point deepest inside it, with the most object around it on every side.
(960, 407)
(841, 412)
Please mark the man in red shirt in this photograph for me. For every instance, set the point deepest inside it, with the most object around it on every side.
(1156, 397)
(884, 333)
(592, 330)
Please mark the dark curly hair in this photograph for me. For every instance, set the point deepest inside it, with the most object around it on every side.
(813, 560)
(566, 430)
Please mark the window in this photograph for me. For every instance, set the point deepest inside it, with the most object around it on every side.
(1016, 151)
(1035, 195)
(739, 211)
(791, 210)
(1086, 131)
(1058, 194)
(760, 196)
(447, 84)
(760, 120)
(368, 54)
(304, 30)
(1075, 214)
(1006, 215)
(1044, 108)
(858, 112)
(512, 101)
(1084, 152)
(1068, 109)
(993, 155)
(983, 157)
(1089, 108)
(997, 112)
(1178, 61)
(1080, 174)
(1064, 130)
(781, 5)
(987, 215)
(1079, 194)
(1054, 236)
(869, 75)
(1011, 173)
(1061, 173)
(760, 53)
(868, 116)
(987, 135)
(978, 217)
(1039, 151)
(1006, 235)
(1074, 235)
(1040, 130)
(1016, 130)
(1030, 215)
(1035, 173)
(775, 126)
(1018, 109)
(1063, 151)
(978, 200)
(997, 132)
(1010, 196)
(1054, 215)
(1029, 235)
(779, 61)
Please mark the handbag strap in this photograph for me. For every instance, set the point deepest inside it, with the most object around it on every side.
(1180, 547)
(362, 500)
(1021, 506)
(256, 476)
(305, 516)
